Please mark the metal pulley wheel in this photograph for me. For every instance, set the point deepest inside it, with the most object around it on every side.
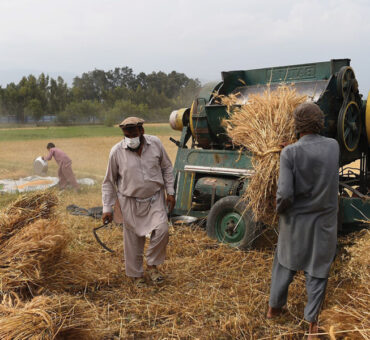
(346, 81)
(349, 126)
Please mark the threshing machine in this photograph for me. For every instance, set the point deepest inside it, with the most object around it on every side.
(211, 174)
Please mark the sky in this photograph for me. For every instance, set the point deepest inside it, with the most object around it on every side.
(200, 38)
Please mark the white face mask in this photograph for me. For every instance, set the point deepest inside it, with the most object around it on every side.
(133, 143)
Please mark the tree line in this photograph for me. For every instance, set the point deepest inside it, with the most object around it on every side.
(98, 96)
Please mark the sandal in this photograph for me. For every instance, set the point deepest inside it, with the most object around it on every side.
(155, 275)
(139, 282)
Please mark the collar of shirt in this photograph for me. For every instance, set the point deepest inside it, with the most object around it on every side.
(310, 136)
(146, 141)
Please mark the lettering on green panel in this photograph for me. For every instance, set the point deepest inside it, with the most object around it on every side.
(291, 73)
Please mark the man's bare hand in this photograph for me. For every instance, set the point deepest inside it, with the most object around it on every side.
(107, 217)
(170, 201)
(284, 144)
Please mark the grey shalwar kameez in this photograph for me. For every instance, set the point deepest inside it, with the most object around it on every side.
(307, 201)
(140, 183)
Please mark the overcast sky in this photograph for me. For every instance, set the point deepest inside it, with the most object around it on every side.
(200, 38)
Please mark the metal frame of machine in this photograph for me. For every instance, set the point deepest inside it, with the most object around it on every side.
(211, 174)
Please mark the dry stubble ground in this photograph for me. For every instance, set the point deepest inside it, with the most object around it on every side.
(211, 291)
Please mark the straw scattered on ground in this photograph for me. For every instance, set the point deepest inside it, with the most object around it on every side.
(211, 291)
(349, 309)
(261, 126)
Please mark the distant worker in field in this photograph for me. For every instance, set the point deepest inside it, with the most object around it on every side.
(139, 172)
(65, 172)
(307, 201)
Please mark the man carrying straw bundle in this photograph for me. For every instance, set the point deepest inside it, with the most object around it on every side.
(141, 170)
(307, 201)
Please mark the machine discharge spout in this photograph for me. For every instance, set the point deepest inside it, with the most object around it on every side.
(179, 118)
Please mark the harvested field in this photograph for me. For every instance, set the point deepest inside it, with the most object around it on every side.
(89, 153)
(79, 291)
(211, 291)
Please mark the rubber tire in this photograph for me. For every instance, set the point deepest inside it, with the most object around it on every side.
(224, 205)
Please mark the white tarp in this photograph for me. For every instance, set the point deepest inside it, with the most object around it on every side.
(33, 183)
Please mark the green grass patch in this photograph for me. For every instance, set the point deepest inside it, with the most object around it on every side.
(77, 132)
(6, 199)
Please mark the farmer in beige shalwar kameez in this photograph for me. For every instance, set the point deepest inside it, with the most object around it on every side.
(140, 174)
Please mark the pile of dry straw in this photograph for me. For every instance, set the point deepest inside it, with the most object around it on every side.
(261, 126)
(69, 288)
(44, 317)
(36, 271)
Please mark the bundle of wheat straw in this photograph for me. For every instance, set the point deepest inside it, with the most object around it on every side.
(27, 256)
(26, 209)
(261, 126)
(36, 252)
(44, 317)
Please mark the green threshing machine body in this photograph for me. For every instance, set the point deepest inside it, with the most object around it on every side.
(211, 174)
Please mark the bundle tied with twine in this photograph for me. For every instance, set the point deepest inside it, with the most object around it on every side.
(262, 125)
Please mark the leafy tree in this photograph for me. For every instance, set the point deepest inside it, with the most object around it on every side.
(13, 102)
(89, 111)
(59, 95)
(125, 108)
(34, 109)
(91, 86)
(122, 77)
(99, 95)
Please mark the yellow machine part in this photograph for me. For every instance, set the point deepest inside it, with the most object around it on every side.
(176, 119)
(367, 118)
(193, 108)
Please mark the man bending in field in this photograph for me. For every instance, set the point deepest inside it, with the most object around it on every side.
(65, 173)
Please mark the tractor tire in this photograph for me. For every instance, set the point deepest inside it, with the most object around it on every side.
(229, 222)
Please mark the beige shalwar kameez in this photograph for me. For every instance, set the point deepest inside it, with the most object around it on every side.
(140, 183)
